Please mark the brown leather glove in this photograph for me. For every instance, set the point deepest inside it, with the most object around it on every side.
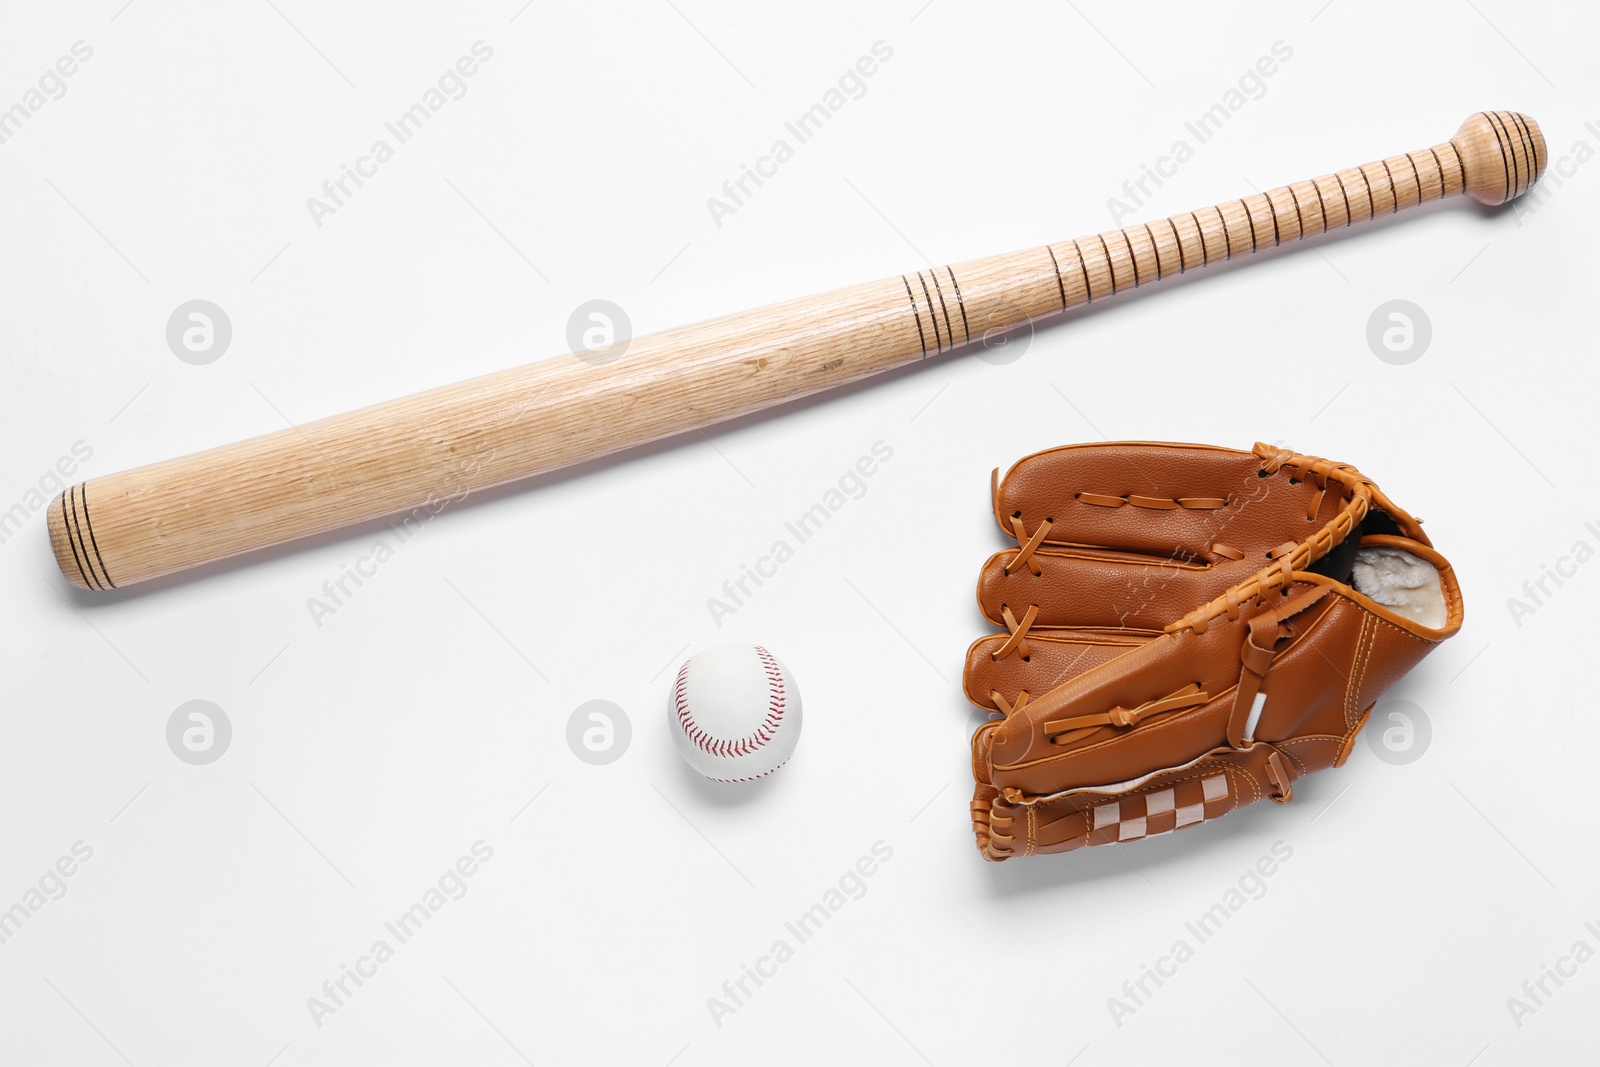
(1188, 629)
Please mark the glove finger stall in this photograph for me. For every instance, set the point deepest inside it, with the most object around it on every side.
(997, 682)
(1174, 502)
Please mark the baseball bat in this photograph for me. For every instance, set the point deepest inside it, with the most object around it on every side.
(431, 448)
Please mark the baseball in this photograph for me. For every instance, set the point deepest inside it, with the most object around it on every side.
(735, 713)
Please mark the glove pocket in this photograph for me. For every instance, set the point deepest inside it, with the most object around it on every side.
(1338, 664)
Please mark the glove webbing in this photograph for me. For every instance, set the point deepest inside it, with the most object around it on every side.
(1322, 473)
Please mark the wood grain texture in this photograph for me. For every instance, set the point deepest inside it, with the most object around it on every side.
(416, 454)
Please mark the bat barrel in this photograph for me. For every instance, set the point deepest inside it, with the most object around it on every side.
(416, 455)
(419, 454)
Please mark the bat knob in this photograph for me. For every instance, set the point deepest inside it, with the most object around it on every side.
(1502, 155)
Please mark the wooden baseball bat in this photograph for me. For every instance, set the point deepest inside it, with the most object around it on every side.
(422, 451)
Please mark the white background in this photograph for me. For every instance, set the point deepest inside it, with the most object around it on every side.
(369, 752)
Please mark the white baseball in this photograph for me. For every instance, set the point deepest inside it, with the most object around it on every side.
(735, 713)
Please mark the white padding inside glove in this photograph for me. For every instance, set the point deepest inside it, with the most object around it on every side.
(1405, 584)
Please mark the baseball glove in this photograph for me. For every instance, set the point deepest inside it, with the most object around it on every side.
(1188, 629)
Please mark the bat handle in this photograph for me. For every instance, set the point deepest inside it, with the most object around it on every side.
(1494, 157)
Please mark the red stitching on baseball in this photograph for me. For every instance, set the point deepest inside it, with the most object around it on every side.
(777, 700)
(752, 778)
